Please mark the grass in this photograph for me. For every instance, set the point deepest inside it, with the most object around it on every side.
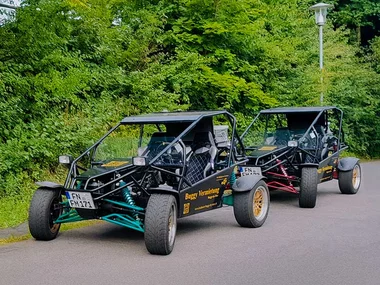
(14, 210)
(13, 239)
(362, 159)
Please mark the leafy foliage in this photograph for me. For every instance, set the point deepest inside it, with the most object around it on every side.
(359, 14)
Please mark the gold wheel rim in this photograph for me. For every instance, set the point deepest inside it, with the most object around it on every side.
(356, 176)
(258, 202)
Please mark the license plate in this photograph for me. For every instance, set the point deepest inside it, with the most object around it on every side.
(250, 171)
(80, 200)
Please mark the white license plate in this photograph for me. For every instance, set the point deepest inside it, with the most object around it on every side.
(80, 200)
(250, 171)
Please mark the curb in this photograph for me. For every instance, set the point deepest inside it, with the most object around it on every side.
(17, 231)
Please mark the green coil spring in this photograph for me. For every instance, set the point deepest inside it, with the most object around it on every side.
(232, 178)
(127, 196)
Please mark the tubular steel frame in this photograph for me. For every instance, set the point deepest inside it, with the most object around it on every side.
(284, 181)
(130, 216)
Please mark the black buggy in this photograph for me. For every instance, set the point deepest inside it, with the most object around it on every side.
(297, 148)
(150, 170)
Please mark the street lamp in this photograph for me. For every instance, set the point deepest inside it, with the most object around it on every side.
(6, 11)
(9, 4)
(320, 10)
(5, 5)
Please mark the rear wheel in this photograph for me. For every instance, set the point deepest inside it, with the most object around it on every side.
(160, 224)
(251, 208)
(308, 187)
(44, 209)
(349, 181)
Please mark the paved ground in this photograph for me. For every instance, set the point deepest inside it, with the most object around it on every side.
(338, 242)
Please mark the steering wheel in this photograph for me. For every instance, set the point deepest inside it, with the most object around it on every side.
(306, 142)
(173, 156)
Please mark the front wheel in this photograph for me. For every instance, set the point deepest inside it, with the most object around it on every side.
(44, 209)
(160, 224)
(251, 208)
(308, 187)
(349, 181)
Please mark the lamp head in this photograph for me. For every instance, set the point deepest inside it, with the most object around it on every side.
(320, 10)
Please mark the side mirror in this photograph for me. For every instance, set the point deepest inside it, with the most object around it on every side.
(66, 160)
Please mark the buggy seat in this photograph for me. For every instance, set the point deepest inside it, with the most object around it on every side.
(201, 161)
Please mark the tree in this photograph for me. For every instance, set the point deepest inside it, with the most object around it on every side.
(361, 15)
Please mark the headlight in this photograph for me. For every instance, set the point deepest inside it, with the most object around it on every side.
(65, 159)
(139, 160)
(292, 143)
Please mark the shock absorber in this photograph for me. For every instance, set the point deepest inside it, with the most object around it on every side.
(232, 178)
(126, 193)
(283, 170)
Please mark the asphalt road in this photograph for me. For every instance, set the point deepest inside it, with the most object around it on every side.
(338, 242)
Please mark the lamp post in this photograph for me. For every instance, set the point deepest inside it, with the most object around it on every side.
(320, 10)
(10, 5)
(8, 9)
(4, 5)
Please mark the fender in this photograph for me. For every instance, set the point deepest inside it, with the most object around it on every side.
(246, 183)
(48, 184)
(310, 165)
(164, 190)
(347, 163)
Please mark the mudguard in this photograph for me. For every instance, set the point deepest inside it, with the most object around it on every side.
(48, 184)
(347, 163)
(164, 190)
(310, 165)
(246, 183)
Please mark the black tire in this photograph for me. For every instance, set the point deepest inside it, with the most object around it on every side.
(44, 209)
(250, 209)
(308, 187)
(160, 224)
(349, 181)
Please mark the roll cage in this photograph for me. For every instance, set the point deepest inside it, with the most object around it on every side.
(103, 181)
(306, 137)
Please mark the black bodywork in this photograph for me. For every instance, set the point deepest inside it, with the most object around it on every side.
(281, 141)
(180, 153)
